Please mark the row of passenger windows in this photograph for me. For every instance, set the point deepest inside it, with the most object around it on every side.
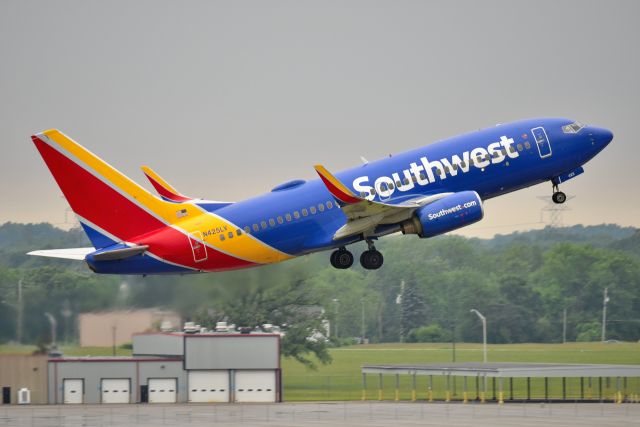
(279, 220)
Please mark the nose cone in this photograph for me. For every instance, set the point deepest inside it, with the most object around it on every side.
(602, 136)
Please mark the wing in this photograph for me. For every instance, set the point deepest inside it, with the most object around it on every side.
(364, 215)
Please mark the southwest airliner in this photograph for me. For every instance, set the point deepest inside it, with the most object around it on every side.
(427, 191)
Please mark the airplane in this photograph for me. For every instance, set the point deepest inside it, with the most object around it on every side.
(428, 191)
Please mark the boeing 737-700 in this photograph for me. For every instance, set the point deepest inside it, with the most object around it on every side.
(428, 191)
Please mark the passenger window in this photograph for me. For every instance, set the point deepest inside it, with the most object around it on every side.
(519, 147)
(288, 217)
(423, 176)
(222, 237)
(263, 224)
(527, 145)
(247, 230)
(272, 222)
(390, 186)
(280, 220)
(321, 206)
(373, 193)
(330, 204)
(239, 232)
(305, 212)
(255, 227)
(296, 214)
(406, 181)
(231, 234)
(398, 183)
(312, 209)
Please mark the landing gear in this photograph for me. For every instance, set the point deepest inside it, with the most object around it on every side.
(371, 259)
(558, 196)
(341, 258)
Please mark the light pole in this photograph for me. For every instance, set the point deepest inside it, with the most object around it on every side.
(605, 300)
(484, 333)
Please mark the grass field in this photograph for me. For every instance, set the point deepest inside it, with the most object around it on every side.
(342, 380)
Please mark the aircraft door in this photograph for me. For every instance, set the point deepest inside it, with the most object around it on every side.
(198, 248)
(542, 142)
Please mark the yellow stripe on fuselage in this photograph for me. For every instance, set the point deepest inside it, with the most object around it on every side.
(185, 216)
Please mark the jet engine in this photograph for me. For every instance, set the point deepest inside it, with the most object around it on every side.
(447, 214)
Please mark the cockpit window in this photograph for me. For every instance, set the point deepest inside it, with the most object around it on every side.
(574, 127)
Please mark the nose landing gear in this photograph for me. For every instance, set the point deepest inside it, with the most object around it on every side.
(558, 196)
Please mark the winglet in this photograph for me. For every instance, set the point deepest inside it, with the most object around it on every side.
(340, 191)
(163, 188)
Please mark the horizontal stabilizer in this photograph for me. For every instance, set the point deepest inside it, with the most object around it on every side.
(120, 253)
(72, 253)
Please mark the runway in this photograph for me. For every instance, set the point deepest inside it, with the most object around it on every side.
(370, 414)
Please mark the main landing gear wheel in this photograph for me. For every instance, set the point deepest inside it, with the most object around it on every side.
(559, 197)
(341, 259)
(371, 259)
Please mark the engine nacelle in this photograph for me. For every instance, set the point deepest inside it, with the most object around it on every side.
(447, 214)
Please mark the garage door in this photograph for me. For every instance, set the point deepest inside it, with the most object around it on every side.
(116, 390)
(162, 390)
(208, 386)
(73, 391)
(255, 386)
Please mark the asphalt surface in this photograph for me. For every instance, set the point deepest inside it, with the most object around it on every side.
(370, 414)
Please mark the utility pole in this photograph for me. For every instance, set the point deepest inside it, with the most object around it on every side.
(113, 338)
(19, 323)
(605, 300)
(337, 303)
(564, 326)
(53, 324)
(363, 331)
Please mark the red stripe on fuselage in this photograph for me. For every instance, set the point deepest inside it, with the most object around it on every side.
(96, 201)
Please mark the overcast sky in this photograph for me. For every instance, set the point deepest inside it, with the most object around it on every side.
(228, 99)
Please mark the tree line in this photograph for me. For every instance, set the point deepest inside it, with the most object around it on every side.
(523, 283)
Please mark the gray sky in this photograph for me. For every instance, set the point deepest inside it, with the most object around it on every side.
(227, 99)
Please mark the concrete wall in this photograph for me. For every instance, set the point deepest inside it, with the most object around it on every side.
(158, 345)
(97, 329)
(93, 371)
(232, 352)
(18, 371)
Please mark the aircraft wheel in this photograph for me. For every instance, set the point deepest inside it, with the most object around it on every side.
(559, 197)
(371, 259)
(341, 259)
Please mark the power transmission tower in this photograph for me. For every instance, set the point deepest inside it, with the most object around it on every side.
(554, 211)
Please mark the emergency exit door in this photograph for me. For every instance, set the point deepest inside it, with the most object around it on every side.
(198, 247)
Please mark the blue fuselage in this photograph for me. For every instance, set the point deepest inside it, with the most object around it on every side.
(491, 161)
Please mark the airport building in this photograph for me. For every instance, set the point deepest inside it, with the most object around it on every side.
(164, 368)
(174, 367)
